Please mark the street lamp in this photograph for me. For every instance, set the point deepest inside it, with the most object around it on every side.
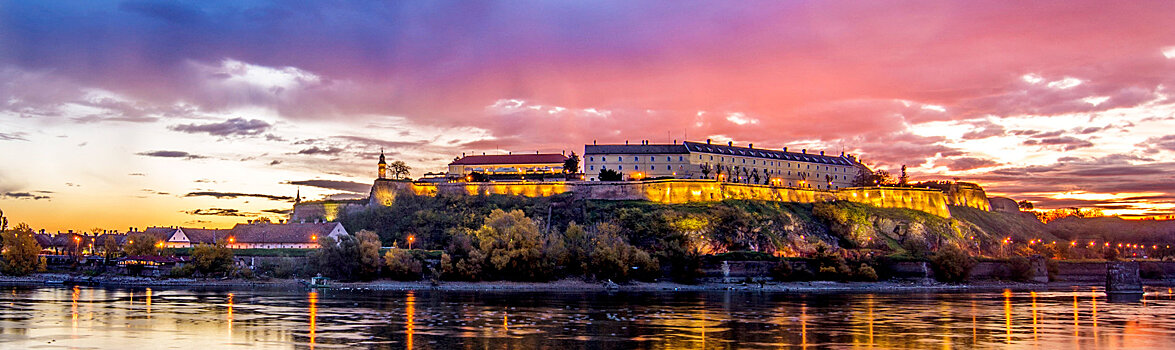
(411, 239)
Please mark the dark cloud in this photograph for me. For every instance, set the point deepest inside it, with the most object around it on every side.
(13, 136)
(217, 212)
(278, 211)
(275, 162)
(983, 130)
(171, 154)
(1110, 174)
(231, 127)
(966, 163)
(334, 185)
(1065, 143)
(1156, 144)
(137, 174)
(315, 150)
(25, 195)
(223, 195)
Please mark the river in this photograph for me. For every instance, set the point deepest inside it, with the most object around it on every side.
(143, 318)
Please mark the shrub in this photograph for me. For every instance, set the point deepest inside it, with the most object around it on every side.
(369, 262)
(403, 266)
(212, 259)
(1020, 268)
(828, 273)
(337, 258)
(614, 258)
(462, 261)
(952, 264)
(866, 273)
(283, 269)
(782, 271)
(185, 271)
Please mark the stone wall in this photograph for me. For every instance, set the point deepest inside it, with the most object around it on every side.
(927, 200)
(961, 194)
(323, 210)
(680, 191)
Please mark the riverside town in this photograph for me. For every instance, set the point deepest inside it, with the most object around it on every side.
(587, 175)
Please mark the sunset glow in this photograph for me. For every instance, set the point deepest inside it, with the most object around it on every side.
(206, 114)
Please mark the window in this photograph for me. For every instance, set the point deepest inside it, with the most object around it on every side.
(619, 159)
(652, 167)
(635, 159)
(621, 167)
(593, 167)
(711, 157)
(603, 159)
(591, 159)
(636, 167)
(682, 159)
(652, 159)
(744, 161)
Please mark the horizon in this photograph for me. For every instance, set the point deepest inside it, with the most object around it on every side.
(208, 114)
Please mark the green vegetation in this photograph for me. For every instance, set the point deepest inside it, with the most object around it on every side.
(20, 251)
(141, 244)
(213, 259)
(403, 265)
(952, 264)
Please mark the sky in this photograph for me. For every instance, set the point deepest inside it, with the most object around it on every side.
(208, 113)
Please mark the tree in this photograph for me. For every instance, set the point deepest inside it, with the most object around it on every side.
(571, 165)
(20, 251)
(614, 258)
(213, 259)
(337, 257)
(260, 220)
(369, 245)
(402, 266)
(706, 171)
(952, 264)
(610, 175)
(142, 244)
(110, 247)
(1025, 205)
(399, 169)
(477, 177)
(513, 245)
(904, 178)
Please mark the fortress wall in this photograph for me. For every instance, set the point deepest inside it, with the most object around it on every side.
(967, 195)
(927, 200)
(678, 191)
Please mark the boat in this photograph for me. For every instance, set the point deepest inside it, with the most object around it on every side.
(318, 282)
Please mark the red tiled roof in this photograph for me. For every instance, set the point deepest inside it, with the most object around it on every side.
(281, 233)
(205, 236)
(506, 159)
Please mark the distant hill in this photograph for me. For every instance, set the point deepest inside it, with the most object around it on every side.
(1114, 229)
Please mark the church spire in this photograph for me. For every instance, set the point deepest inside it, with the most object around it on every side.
(298, 196)
(383, 164)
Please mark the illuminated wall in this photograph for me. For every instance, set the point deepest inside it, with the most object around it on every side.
(927, 200)
(680, 191)
(967, 195)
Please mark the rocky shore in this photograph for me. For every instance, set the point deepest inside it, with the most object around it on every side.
(566, 285)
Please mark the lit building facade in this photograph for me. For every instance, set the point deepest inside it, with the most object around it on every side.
(729, 163)
(503, 164)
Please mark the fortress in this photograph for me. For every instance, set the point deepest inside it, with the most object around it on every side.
(935, 199)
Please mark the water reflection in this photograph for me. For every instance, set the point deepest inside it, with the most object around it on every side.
(312, 299)
(105, 318)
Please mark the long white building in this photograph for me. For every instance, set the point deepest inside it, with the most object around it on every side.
(730, 163)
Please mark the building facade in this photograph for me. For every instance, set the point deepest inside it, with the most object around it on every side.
(520, 165)
(728, 163)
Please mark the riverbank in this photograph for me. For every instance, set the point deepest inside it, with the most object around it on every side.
(566, 285)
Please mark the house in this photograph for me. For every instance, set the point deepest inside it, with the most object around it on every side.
(293, 235)
(508, 166)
